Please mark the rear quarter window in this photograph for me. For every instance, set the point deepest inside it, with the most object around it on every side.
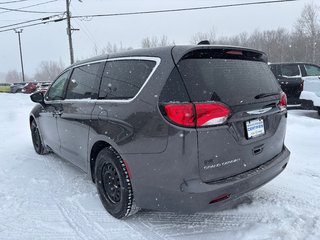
(174, 89)
(122, 79)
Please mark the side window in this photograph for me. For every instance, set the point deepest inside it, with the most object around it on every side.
(174, 90)
(312, 70)
(84, 82)
(290, 70)
(56, 90)
(122, 79)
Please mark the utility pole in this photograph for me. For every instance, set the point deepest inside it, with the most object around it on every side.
(69, 31)
(19, 32)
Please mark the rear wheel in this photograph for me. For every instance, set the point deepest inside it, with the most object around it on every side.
(114, 185)
(36, 139)
(318, 111)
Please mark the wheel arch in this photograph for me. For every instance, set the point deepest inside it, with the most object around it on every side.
(95, 149)
(31, 118)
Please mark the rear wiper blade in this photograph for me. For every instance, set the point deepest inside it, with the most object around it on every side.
(263, 95)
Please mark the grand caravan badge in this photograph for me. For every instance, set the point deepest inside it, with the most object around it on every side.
(217, 165)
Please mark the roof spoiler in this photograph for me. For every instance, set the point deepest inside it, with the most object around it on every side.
(204, 42)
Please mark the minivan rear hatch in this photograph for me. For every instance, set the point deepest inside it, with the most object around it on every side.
(241, 80)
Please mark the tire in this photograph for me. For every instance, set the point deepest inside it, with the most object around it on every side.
(113, 184)
(318, 111)
(36, 139)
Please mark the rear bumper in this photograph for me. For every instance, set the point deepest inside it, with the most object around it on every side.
(294, 100)
(309, 100)
(238, 185)
(195, 195)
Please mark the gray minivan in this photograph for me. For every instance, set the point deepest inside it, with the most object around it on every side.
(182, 128)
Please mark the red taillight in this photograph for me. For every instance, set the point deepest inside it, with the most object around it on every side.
(198, 114)
(181, 114)
(211, 114)
(283, 101)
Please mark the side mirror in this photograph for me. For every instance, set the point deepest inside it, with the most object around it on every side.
(37, 97)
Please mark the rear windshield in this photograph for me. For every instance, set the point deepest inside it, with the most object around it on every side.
(231, 81)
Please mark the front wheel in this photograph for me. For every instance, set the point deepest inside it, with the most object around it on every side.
(36, 139)
(114, 185)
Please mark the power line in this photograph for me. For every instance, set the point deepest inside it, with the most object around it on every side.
(149, 12)
(182, 9)
(10, 20)
(86, 32)
(85, 29)
(34, 24)
(14, 1)
(27, 11)
(29, 21)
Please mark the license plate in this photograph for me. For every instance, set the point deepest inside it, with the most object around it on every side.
(255, 128)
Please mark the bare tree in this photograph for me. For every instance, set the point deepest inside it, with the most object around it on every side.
(13, 76)
(200, 36)
(302, 44)
(308, 25)
(114, 48)
(156, 42)
(48, 71)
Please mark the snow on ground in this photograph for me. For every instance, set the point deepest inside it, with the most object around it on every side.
(45, 197)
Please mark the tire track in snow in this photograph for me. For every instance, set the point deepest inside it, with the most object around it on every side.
(76, 218)
(74, 224)
(170, 225)
(285, 195)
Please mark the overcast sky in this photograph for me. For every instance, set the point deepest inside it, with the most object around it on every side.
(49, 42)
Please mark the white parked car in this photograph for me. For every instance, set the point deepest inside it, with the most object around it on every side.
(310, 95)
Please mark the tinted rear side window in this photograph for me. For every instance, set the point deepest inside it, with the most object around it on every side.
(174, 89)
(84, 82)
(122, 79)
(312, 70)
(231, 81)
(290, 70)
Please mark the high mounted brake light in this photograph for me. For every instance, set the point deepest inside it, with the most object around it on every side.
(235, 52)
(197, 114)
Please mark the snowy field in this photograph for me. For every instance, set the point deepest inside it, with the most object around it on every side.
(45, 197)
